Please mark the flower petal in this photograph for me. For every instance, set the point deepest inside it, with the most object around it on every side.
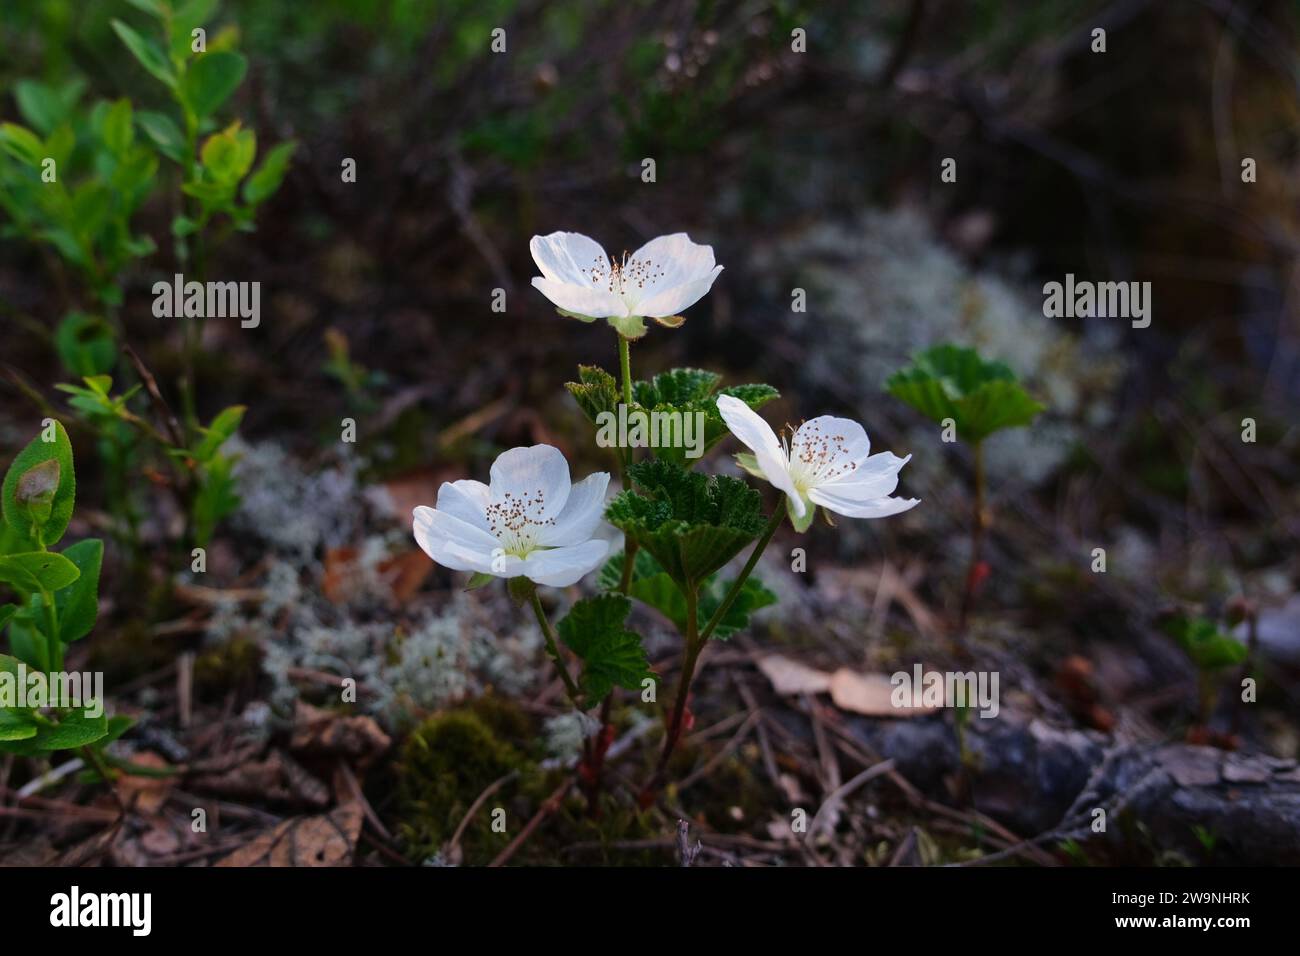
(826, 449)
(560, 567)
(749, 427)
(677, 299)
(581, 300)
(881, 507)
(669, 261)
(466, 500)
(581, 513)
(569, 257)
(453, 543)
(876, 477)
(535, 478)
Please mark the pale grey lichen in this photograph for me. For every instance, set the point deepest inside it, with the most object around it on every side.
(295, 511)
(565, 734)
(884, 287)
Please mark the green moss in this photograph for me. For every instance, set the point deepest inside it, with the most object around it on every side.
(446, 763)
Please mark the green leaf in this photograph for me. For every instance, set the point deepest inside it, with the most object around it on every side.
(676, 387)
(611, 654)
(753, 597)
(219, 432)
(19, 532)
(117, 726)
(34, 495)
(684, 392)
(211, 79)
(78, 603)
(6, 612)
(165, 134)
(39, 104)
(981, 397)
(118, 131)
(22, 144)
(73, 730)
(85, 344)
(26, 640)
(35, 570)
(16, 725)
(479, 579)
(155, 8)
(595, 391)
(92, 202)
(1208, 647)
(216, 498)
(262, 185)
(227, 155)
(652, 586)
(691, 523)
(148, 53)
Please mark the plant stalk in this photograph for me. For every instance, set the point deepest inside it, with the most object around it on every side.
(976, 541)
(575, 697)
(696, 640)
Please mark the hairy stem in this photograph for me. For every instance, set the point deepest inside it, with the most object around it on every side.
(625, 366)
(575, 697)
(696, 640)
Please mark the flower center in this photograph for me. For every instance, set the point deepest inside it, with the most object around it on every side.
(626, 279)
(817, 457)
(517, 521)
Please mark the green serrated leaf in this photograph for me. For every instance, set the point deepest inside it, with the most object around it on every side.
(691, 523)
(595, 391)
(981, 397)
(684, 392)
(611, 654)
(652, 586)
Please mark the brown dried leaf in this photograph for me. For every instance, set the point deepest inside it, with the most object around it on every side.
(278, 778)
(322, 732)
(868, 694)
(791, 677)
(327, 840)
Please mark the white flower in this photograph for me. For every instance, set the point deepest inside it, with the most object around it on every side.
(529, 521)
(828, 463)
(658, 281)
